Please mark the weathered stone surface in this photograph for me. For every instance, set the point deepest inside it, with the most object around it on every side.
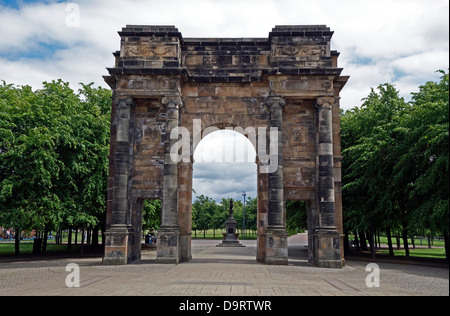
(117, 245)
(290, 81)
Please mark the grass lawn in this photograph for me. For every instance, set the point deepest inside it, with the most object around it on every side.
(438, 253)
(249, 235)
(26, 248)
(435, 243)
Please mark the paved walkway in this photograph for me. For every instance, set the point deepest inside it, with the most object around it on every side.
(219, 271)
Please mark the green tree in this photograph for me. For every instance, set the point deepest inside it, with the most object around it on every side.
(151, 215)
(87, 170)
(251, 214)
(28, 160)
(220, 215)
(396, 169)
(53, 156)
(296, 216)
(425, 162)
(203, 210)
(370, 140)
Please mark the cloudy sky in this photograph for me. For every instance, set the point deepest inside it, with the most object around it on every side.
(398, 41)
(225, 166)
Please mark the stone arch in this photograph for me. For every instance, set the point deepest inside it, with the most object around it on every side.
(239, 173)
(288, 83)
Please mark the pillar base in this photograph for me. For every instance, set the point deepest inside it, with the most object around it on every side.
(168, 250)
(117, 248)
(276, 246)
(327, 248)
(185, 242)
(261, 248)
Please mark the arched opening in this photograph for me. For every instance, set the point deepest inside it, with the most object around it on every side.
(151, 221)
(224, 168)
(224, 165)
(298, 217)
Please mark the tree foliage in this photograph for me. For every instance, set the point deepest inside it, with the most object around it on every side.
(296, 216)
(151, 215)
(208, 214)
(395, 166)
(54, 147)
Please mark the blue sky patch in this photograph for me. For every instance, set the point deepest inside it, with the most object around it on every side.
(38, 51)
(398, 74)
(16, 4)
(361, 60)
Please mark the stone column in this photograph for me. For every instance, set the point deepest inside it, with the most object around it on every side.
(185, 208)
(327, 246)
(337, 159)
(276, 235)
(169, 233)
(119, 232)
(263, 211)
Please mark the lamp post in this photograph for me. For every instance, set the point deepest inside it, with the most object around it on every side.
(243, 235)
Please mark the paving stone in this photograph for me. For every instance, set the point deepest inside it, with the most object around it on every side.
(245, 277)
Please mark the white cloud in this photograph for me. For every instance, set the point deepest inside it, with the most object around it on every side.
(418, 64)
(35, 23)
(225, 180)
(225, 166)
(377, 39)
(225, 146)
(402, 42)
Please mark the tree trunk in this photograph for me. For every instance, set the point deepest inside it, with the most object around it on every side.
(372, 241)
(389, 237)
(69, 240)
(103, 229)
(429, 241)
(88, 238)
(358, 248)
(17, 242)
(363, 241)
(44, 242)
(37, 243)
(379, 239)
(405, 241)
(446, 244)
(346, 241)
(398, 242)
(95, 236)
(82, 242)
